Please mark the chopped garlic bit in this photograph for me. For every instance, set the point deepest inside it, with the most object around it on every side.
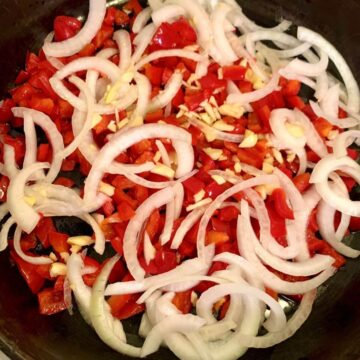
(220, 73)
(206, 118)
(106, 189)
(149, 249)
(136, 120)
(113, 91)
(250, 139)
(112, 126)
(214, 154)
(209, 135)
(267, 168)
(278, 156)
(223, 126)
(199, 196)
(52, 256)
(95, 119)
(219, 304)
(209, 109)
(333, 134)
(157, 156)
(65, 256)
(237, 167)
(57, 269)
(30, 200)
(295, 130)
(199, 204)
(290, 157)
(122, 123)
(223, 157)
(261, 190)
(82, 240)
(244, 63)
(234, 110)
(75, 249)
(269, 159)
(213, 102)
(194, 298)
(218, 179)
(161, 169)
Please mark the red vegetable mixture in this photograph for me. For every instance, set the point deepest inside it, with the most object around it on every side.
(33, 90)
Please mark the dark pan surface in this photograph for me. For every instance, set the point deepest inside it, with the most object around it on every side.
(333, 330)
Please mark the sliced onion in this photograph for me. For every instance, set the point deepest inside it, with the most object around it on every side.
(205, 303)
(97, 10)
(30, 141)
(141, 20)
(167, 13)
(293, 325)
(278, 118)
(122, 38)
(185, 324)
(131, 237)
(142, 40)
(10, 167)
(52, 133)
(352, 87)
(255, 95)
(122, 141)
(343, 141)
(320, 175)
(217, 19)
(144, 92)
(245, 235)
(171, 89)
(100, 316)
(341, 123)
(260, 180)
(313, 139)
(304, 68)
(25, 216)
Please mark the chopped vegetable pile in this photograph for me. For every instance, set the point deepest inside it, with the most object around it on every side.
(211, 186)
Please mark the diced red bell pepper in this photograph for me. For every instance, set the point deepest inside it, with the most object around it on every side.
(42, 230)
(39, 103)
(228, 213)
(126, 212)
(29, 273)
(89, 279)
(193, 101)
(125, 306)
(291, 88)
(117, 241)
(295, 102)
(205, 285)
(64, 181)
(120, 196)
(154, 74)
(354, 224)
(154, 116)
(58, 241)
(278, 196)
(234, 72)
(40, 81)
(194, 185)
(23, 92)
(178, 34)
(182, 300)
(105, 33)
(302, 182)
(213, 190)
(211, 82)
(278, 228)
(133, 6)
(322, 126)
(5, 110)
(51, 301)
(153, 224)
(353, 153)
(65, 27)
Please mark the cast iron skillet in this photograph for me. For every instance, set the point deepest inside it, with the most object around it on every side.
(333, 329)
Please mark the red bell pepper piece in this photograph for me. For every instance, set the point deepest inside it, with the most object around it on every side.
(194, 185)
(302, 182)
(278, 196)
(228, 213)
(64, 181)
(211, 82)
(42, 230)
(193, 101)
(89, 279)
(154, 74)
(182, 300)
(234, 72)
(5, 110)
(291, 88)
(58, 241)
(322, 126)
(4, 184)
(125, 306)
(29, 273)
(126, 212)
(66, 27)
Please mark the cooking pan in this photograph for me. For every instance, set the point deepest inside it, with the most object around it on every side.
(333, 329)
